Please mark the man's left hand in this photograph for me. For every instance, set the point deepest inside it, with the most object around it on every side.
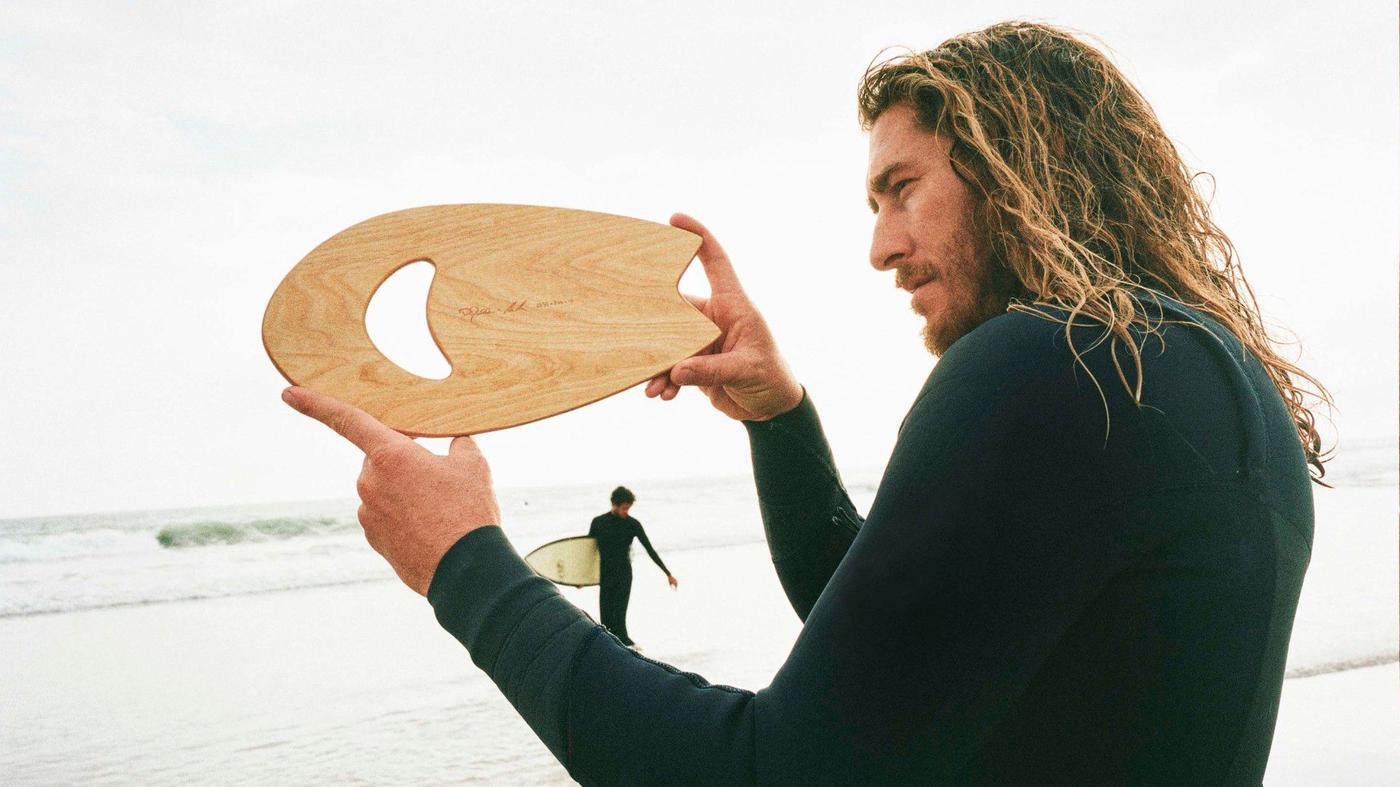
(414, 504)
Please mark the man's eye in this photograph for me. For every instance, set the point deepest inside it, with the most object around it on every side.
(898, 188)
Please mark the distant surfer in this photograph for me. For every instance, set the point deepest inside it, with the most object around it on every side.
(615, 531)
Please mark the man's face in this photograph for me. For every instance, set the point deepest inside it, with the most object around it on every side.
(924, 229)
(622, 508)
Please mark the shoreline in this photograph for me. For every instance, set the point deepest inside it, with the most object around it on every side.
(1297, 673)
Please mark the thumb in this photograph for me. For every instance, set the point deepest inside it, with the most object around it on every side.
(722, 369)
(463, 447)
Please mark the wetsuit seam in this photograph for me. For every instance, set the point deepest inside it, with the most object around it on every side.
(1240, 481)
(695, 680)
(808, 547)
(796, 436)
(1101, 499)
(1238, 749)
(847, 523)
(569, 702)
(544, 646)
(753, 737)
(1243, 389)
(841, 527)
(510, 635)
(1285, 516)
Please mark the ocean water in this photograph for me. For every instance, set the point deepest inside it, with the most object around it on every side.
(68, 563)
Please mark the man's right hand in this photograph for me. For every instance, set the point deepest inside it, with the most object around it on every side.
(741, 372)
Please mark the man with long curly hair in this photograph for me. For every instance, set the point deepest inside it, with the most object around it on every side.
(1084, 558)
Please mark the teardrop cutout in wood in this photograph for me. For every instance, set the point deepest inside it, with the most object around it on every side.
(538, 310)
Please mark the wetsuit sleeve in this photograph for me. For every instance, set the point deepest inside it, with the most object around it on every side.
(609, 715)
(515, 625)
(808, 517)
(646, 544)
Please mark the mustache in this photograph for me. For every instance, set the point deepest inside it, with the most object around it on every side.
(906, 276)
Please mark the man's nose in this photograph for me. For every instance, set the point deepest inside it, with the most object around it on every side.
(889, 244)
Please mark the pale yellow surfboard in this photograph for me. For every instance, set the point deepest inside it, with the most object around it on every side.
(538, 310)
(571, 561)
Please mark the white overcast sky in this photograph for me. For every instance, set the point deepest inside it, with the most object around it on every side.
(162, 166)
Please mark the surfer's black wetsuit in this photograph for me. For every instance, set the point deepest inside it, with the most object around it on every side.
(615, 534)
(1036, 597)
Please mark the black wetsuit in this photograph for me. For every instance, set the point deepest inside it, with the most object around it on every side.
(1053, 586)
(615, 534)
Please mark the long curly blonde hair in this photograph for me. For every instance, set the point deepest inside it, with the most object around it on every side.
(1081, 196)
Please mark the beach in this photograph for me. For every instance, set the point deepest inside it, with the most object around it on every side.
(352, 681)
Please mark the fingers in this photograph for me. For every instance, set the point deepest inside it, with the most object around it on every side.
(350, 422)
(465, 450)
(464, 447)
(718, 269)
(706, 370)
(709, 370)
(663, 386)
(657, 385)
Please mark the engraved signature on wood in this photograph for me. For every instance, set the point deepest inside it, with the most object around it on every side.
(472, 312)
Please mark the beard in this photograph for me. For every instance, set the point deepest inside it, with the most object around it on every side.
(979, 288)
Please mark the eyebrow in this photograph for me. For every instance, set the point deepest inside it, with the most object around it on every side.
(881, 183)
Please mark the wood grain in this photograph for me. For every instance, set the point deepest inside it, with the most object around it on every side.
(538, 310)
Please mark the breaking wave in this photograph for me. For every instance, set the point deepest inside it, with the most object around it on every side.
(213, 533)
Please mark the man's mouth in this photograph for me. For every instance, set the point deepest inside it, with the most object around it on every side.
(913, 281)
